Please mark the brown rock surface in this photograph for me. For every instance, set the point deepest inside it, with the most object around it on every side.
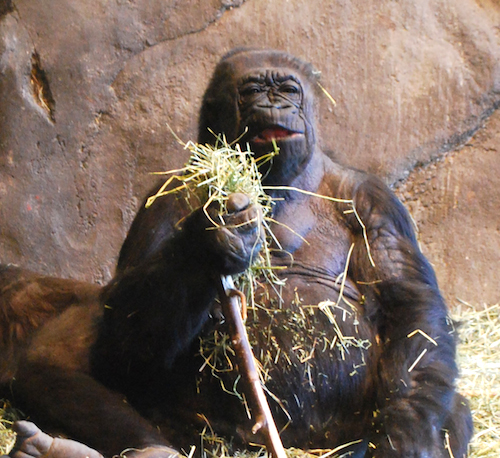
(456, 202)
(87, 87)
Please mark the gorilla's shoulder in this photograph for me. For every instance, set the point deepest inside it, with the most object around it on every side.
(350, 177)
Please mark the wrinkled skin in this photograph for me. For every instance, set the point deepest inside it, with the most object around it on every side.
(377, 371)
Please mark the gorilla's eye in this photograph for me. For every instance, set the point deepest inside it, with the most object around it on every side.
(289, 88)
(250, 89)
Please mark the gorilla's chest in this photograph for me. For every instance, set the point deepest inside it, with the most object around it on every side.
(308, 331)
(312, 241)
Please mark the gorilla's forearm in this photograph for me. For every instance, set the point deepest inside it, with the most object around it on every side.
(417, 367)
(156, 308)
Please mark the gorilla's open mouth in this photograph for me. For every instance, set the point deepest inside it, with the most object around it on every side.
(277, 133)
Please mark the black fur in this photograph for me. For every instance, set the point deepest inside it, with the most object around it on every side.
(378, 371)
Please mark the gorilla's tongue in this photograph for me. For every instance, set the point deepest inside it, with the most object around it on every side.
(275, 132)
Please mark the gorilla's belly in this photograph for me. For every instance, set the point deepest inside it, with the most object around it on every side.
(315, 349)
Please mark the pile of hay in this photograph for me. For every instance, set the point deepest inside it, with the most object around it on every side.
(479, 361)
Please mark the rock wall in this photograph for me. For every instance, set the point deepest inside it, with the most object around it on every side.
(455, 203)
(87, 88)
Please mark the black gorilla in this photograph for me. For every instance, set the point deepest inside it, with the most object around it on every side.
(356, 344)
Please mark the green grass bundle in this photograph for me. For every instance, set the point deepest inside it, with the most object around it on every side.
(211, 175)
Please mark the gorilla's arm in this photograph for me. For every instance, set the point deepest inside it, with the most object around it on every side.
(152, 226)
(146, 316)
(153, 310)
(160, 298)
(417, 368)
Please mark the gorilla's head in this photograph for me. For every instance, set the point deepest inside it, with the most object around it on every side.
(260, 96)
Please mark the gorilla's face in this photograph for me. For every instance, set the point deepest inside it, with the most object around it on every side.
(262, 97)
(271, 110)
(269, 104)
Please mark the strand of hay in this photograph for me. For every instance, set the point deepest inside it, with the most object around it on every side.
(479, 362)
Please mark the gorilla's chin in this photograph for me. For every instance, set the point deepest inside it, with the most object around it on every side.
(288, 158)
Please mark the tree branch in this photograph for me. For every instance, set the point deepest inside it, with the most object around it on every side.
(261, 413)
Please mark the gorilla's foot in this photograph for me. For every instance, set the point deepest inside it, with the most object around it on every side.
(31, 442)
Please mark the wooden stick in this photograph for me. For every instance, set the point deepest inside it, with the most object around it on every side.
(261, 413)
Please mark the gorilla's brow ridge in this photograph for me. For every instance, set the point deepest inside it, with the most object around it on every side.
(269, 77)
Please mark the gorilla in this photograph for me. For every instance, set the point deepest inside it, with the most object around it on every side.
(354, 341)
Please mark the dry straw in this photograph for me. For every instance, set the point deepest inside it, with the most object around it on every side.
(479, 361)
(210, 176)
(7, 436)
(213, 173)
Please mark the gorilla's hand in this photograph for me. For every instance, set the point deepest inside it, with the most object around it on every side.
(233, 239)
(239, 240)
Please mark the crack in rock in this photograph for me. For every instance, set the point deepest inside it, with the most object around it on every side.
(453, 143)
(41, 88)
(226, 5)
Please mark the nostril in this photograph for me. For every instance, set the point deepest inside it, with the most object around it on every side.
(237, 202)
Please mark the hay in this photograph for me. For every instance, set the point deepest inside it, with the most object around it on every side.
(7, 416)
(479, 362)
(210, 176)
(305, 339)
(215, 172)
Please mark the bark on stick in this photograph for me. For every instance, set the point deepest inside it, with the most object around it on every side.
(261, 413)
